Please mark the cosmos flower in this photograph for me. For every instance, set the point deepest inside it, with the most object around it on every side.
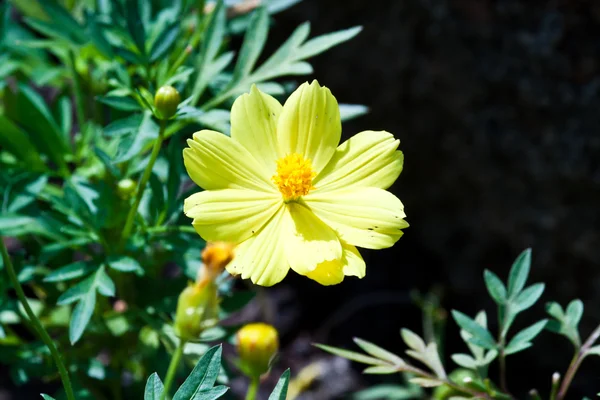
(287, 195)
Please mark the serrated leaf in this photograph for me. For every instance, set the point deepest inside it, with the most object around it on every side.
(203, 376)
(528, 297)
(480, 335)
(523, 338)
(82, 313)
(254, 42)
(519, 273)
(71, 271)
(281, 388)
(154, 388)
(325, 42)
(412, 340)
(124, 125)
(381, 370)
(378, 352)
(426, 382)
(350, 355)
(495, 287)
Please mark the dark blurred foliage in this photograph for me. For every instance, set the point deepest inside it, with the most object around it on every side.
(497, 105)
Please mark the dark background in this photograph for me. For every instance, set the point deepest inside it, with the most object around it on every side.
(497, 106)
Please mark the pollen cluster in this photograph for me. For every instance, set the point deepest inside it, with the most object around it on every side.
(294, 176)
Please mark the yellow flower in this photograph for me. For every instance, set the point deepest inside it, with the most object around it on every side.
(287, 195)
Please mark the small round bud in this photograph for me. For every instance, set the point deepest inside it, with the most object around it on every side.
(126, 188)
(197, 310)
(257, 345)
(166, 101)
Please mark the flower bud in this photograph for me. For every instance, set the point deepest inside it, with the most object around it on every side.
(462, 377)
(166, 101)
(126, 188)
(215, 256)
(197, 310)
(257, 345)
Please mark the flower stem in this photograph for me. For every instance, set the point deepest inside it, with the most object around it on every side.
(156, 230)
(64, 374)
(576, 362)
(142, 184)
(253, 388)
(77, 93)
(171, 372)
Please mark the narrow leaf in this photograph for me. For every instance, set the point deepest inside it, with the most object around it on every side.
(254, 42)
(203, 376)
(495, 287)
(82, 313)
(412, 340)
(350, 355)
(378, 352)
(381, 370)
(71, 271)
(483, 337)
(525, 336)
(528, 297)
(154, 388)
(519, 273)
(281, 388)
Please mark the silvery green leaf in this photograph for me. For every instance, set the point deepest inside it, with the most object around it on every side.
(522, 339)
(281, 388)
(381, 370)
(82, 313)
(495, 287)
(480, 335)
(562, 324)
(351, 111)
(464, 360)
(574, 312)
(426, 382)
(413, 340)
(378, 352)
(528, 297)
(351, 355)
(254, 42)
(519, 273)
(154, 388)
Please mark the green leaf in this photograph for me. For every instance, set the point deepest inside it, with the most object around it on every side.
(519, 273)
(254, 42)
(135, 25)
(351, 111)
(378, 352)
(465, 361)
(412, 340)
(46, 397)
(323, 43)
(215, 32)
(203, 376)
(524, 337)
(82, 313)
(120, 103)
(528, 297)
(74, 270)
(105, 285)
(135, 143)
(154, 388)
(495, 287)
(96, 33)
(481, 336)
(350, 355)
(164, 42)
(17, 141)
(593, 351)
(381, 370)
(124, 125)
(388, 392)
(125, 264)
(78, 291)
(564, 325)
(60, 17)
(281, 388)
(426, 382)
(210, 394)
(574, 312)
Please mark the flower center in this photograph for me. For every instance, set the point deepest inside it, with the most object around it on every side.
(294, 176)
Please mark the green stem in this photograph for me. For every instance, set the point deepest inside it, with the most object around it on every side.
(142, 184)
(156, 230)
(253, 388)
(171, 372)
(77, 92)
(64, 374)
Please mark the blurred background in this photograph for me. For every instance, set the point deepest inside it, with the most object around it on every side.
(497, 106)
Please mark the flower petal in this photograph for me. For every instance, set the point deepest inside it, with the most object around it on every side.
(333, 272)
(368, 159)
(354, 265)
(231, 215)
(215, 161)
(310, 124)
(364, 217)
(254, 124)
(308, 240)
(262, 257)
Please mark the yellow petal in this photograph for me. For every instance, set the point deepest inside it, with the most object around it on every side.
(262, 257)
(254, 124)
(310, 125)
(364, 217)
(368, 159)
(333, 272)
(308, 240)
(231, 215)
(215, 161)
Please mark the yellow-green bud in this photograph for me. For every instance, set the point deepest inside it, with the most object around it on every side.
(166, 101)
(126, 188)
(197, 310)
(257, 345)
(458, 376)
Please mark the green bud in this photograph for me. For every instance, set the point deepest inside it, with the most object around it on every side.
(197, 310)
(166, 101)
(458, 376)
(126, 188)
(257, 345)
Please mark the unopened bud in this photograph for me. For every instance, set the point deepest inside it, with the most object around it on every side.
(215, 256)
(197, 310)
(126, 188)
(166, 101)
(257, 345)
